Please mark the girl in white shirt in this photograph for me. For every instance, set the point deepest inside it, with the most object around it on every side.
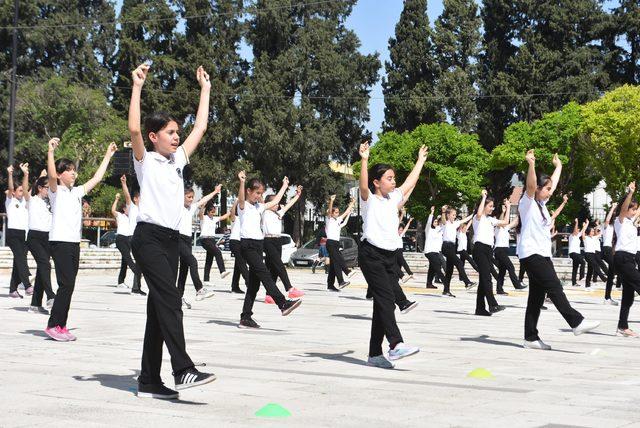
(17, 223)
(534, 251)
(624, 257)
(252, 246)
(239, 263)
(38, 237)
(334, 223)
(66, 231)
(131, 203)
(463, 244)
(591, 246)
(575, 252)
(607, 252)
(449, 236)
(501, 251)
(432, 247)
(272, 228)
(155, 242)
(380, 200)
(208, 223)
(123, 244)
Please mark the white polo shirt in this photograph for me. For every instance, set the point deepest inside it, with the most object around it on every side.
(333, 226)
(235, 230)
(161, 188)
(250, 221)
(483, 229)
(638, 244)
(450, 231)
(186, 220)
(122, 222)
(626, 234)
(591, 244)
(574, 244)
(462, 242)
(380, 224)
(535, 233)
(272, 222)
(208, 226)
(39, 214)
(133, 217)
(17, 214)
(607, 236)
(502, 237)
(66, 219)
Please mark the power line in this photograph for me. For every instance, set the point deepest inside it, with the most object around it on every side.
(251, 9)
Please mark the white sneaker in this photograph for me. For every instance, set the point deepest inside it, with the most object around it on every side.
(185, 304)
(610, 302)
(536, 344)
(401, 350)
(380, 361)
(585, 326)
(407, 278)
(224, 274)
(49, 303)
(38, 310)
(122, 285)
(204, 293)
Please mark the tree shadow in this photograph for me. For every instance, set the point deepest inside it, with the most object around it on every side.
(352, 317)
(20, 308)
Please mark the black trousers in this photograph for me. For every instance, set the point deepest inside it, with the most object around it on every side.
(273, 260)
(20, 271)
(252, 250)
(577, 266)
(544, 281)
(593, 269)
(188, 264)
(449, 251)
(213, 251)
(38, 244)
(66, 256)
(603, 266)
(239, 265)
(156, 251)
(482, 254)
(505, 265)
(627, 269)
(607, 254)
(466, 257)
(123, 244)
(337, 265)
(402, 263)
(435, 270)
(379, 269)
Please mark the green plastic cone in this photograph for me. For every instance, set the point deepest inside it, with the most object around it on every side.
(273, 410)
(480, 373)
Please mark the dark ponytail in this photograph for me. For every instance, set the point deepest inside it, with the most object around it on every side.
(376, 172)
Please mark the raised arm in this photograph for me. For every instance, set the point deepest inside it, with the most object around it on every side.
(480, 211)
(466, 219)
(348, 211)
(607, 220)
(555, 177)
(405, 198)
(406, 227)
(576, 229)
(558, 210)
(25, 181)
(276, 200)
(51, 165)
(627, 201)
(413, 177)
(232, 213)
(138, 76)
(102, 169)
(114, 206)
(514, 223)
(202, 116)
(364, 171)
(330, 206)
(427, 227)
(242, 177)
(203, 201)
(293, 200)
(584, 229)
(532, 181)
(10, 187)
(443, 214)
(125, 190)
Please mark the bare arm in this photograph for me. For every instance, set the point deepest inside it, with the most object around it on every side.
(443, 214)
(607, 220)
(102, 169)
(532, 181)
(576, 230)
(293, 200)
(114, 206)
(406, 227)
(240, 202)
(413, 177)
(202, 116)
(348, 211)
(125, 190)
(203, 201)
(480, 211)
(627, 201)
(25, 180)
(555, 177)
(232, 213)
(330, 207)
(51, 165)
(584, 230)
(364, 171)
(276, 200)
(10, 185)
(558, 210)
(138, 76)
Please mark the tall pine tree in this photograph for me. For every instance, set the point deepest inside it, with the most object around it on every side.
(409, 87)
(627, 18)
(457, 44)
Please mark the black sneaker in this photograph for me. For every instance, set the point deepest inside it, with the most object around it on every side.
(497, 308)
(448, 293)
(408, 307)
(432, 286)
(470, 285)
(543, 307)
(156, 391)
(237, 291)
(140, 292)
(289, 306)
(248, 323)
(192, 377)
(332, 288)
(483, 313)
(520, 286)
(343, 284)
(502, 293)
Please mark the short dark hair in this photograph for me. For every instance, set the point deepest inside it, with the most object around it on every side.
(157, 121)
(64, 164)
(40, 182)
(254, 184)
(376, 172)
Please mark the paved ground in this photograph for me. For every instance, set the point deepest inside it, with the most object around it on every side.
(312, 363)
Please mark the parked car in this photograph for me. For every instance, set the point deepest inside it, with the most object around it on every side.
(308, 253)
(108, 239)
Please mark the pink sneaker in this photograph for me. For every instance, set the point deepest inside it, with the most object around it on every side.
(29, 290)
(56, 333)
(269, 300)
(15, 295)
(67, 333)
(294, 293)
